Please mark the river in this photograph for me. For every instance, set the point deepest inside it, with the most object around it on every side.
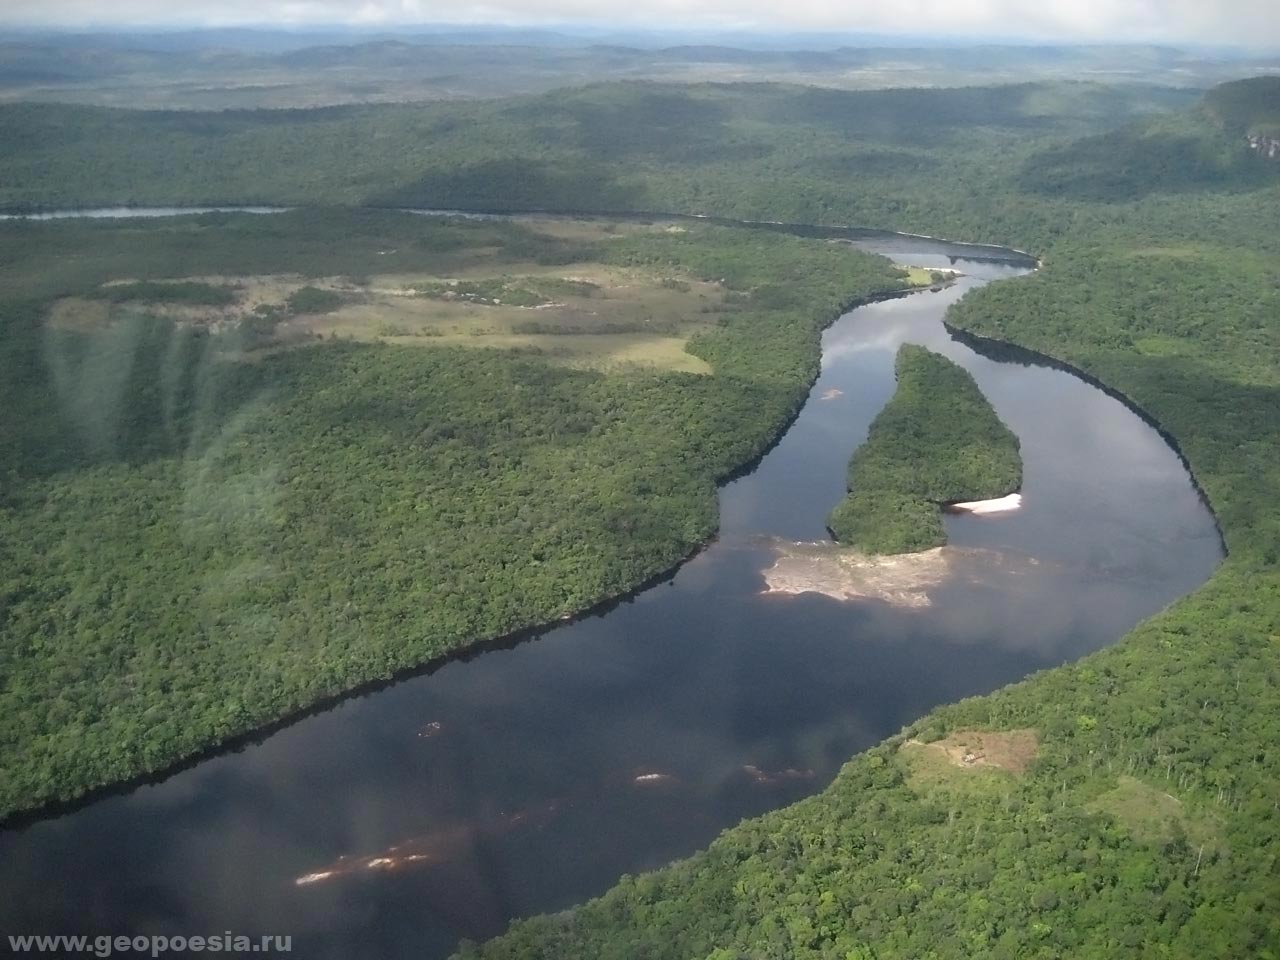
(527, 779)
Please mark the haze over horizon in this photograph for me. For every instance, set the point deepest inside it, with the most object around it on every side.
(1246, 23)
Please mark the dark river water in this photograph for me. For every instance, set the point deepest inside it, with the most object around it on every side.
(529, 779)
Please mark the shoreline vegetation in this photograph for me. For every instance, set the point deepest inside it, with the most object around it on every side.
(214, 497)
(937, 441)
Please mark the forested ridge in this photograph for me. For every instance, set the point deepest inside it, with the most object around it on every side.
(1147, 824)
(193, 545)
(1059, 156)
(888, 159)
(938, 440)
(1246, 107)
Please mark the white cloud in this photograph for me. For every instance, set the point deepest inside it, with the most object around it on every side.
(1250, 22)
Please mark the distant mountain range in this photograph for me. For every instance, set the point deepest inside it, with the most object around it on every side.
(277, 40)
(246, 68)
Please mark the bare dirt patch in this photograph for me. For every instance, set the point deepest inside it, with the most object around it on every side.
(1011, 750)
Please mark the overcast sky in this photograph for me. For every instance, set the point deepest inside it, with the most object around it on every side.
(1250, 22)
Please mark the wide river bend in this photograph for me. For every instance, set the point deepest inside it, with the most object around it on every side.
(528, 779)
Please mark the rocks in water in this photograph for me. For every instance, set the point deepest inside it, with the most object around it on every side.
(903, 579)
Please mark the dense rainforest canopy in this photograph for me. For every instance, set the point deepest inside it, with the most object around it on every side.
(937, 441)
(1146, 823)
(885, 158)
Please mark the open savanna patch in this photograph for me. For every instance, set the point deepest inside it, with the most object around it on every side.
(582, 315)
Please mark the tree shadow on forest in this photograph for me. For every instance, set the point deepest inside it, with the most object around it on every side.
(1132, 164)
(628, 123)
(515, 184)
(143, 390)
(920, 118)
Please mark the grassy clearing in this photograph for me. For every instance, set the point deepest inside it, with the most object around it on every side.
(612, 353)
(1160, 346)
(79, 313)
(587, 315)
(581, 315)
(926, 276)
(1153, 815)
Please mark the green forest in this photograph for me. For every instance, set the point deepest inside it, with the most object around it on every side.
(937, 441)
(1246, 106)
(194, 545)
(888, 159)
(1146, 825)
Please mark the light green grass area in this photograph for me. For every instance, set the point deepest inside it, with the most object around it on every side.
(926, 276)
(582, 315)
(610, 352)
(635, 323)
(1155, 816)
(930, 772)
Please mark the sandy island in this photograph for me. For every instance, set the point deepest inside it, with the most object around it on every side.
(979, 508)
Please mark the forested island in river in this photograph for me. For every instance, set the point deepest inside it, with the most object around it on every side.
(251, 462)
(937, 442)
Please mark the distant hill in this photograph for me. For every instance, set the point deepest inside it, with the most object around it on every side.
(1207, 149)
(233, 69)
(604, 147)
(1247, 107)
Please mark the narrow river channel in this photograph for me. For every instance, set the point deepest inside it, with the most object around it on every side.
(528, 779)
